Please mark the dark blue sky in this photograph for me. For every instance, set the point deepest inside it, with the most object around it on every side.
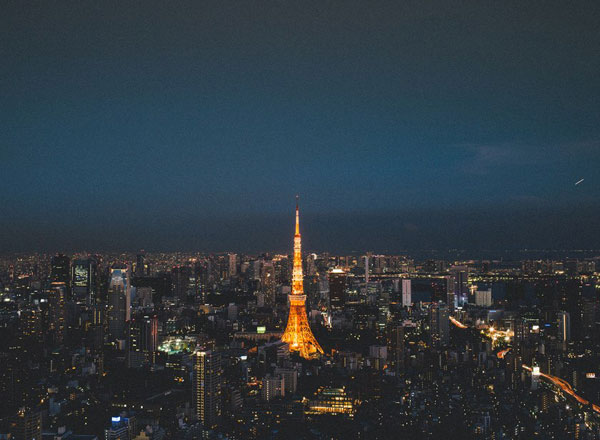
(192, 125)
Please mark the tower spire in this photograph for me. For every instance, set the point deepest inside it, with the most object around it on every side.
(297, 277)
(297, 216)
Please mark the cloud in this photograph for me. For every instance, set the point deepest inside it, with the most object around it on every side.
(485, 158)
(411, 227)
(527, 199)
(481, 159)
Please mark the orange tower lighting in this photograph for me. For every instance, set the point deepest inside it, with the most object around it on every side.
(297, 333)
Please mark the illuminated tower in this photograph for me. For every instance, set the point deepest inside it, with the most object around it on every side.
(297, 334)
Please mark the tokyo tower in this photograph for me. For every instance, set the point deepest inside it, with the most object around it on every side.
(297, 334)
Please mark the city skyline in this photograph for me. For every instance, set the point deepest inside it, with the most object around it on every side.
(174, 345)
(417, 232)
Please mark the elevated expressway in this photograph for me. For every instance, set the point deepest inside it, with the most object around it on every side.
(562, 384)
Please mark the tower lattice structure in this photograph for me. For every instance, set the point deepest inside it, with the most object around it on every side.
(297, 333)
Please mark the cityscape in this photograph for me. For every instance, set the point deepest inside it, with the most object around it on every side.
(313, 220)
(176, 345)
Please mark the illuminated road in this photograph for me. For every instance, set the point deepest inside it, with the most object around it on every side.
(566, 387)
(498, 335)
(457, 323)
(561, 383)
(502, 353)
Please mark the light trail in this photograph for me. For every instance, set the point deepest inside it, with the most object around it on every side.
(566, 387)
(457, 323)
(498, 335)
(502, 353)
(561, 383)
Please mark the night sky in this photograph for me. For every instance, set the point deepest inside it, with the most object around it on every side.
(402, 125)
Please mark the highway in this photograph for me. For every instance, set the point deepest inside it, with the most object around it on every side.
(560, 383)
(566, 387)
(457, 323)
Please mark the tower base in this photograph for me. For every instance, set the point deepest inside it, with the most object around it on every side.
(298, 334)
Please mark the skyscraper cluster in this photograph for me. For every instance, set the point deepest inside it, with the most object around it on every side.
(192, 345)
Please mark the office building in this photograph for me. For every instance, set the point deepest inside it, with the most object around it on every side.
(460, 278)
(60, 269)
(337, 288)
(183, 281)
(57, 312)
(272, 387)
(83, 281)
(290, 377)
(121, 428)
(406, 293)
(439, 324)
(395, 347)
(331, 401)
(142, 340)
(26, 425)
(141, 268)
(207, 387)
(267, 283)
(119, 301)
(232, 265)
(483, 298)
(564, 327)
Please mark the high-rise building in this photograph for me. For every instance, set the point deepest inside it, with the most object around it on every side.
(282, 269)
(26, 425)
(121, 428)
(254, 270)
(535, 377)
(483, 298)
(406, 293)
(207, 387)
(272, 387)
(267, 282)
(31, 323)
(119, 301)
(83, 281)
(57, 311)
(232, 268)
(290, 377)
(142, 340)
(564, 326)
(141, 267)
(298, 334)
(450, 296)
(439, 323)
(460, 275)
(395, 347)
(117, 431)
(60, 271)
(311, 265)
(183, 282)
(519, 329)
(589, 313)
(232, 312)
(337, 288)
